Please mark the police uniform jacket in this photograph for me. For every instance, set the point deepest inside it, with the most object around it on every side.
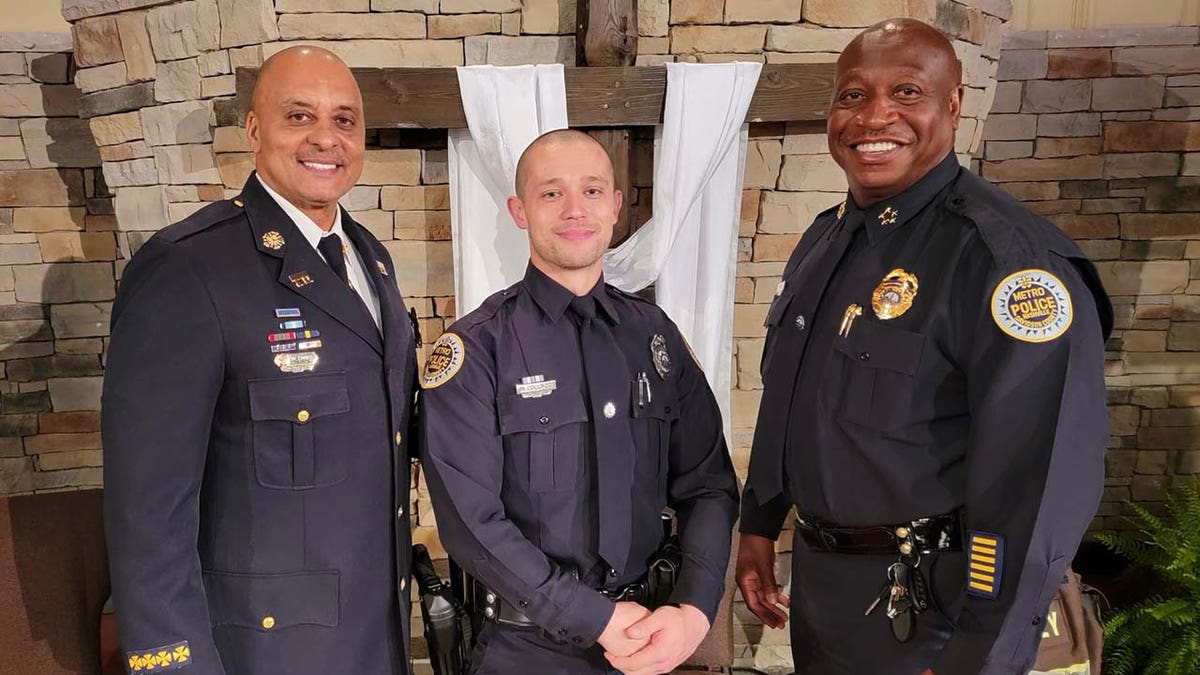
(953, 361)
(512, 474)
(256, 466)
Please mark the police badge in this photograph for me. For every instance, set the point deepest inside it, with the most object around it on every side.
(894, 295)
(662, 360)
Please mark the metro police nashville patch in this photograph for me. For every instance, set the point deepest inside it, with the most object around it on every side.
(445, 359)
(1032, 306)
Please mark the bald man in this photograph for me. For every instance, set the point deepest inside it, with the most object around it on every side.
(560, 419)
(256, 408)
(933, 395)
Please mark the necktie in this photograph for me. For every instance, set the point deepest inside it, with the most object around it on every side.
(608, 394)
(331, 248)
(779, 382)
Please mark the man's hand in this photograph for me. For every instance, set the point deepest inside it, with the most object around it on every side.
(614, 638)
(756, 578)
(673, 632)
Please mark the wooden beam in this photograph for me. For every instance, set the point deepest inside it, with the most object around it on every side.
(606, 34)
(428, 98)
(616, 143)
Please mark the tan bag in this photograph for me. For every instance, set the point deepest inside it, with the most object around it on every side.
(1073, 639)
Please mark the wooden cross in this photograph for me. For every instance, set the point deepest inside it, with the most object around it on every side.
(606, 93)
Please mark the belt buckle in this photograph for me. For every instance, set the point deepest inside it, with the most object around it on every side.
(827, 540)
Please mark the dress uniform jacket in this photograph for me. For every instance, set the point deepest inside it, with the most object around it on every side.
(256, 452)
(513, 476)
(952, 363)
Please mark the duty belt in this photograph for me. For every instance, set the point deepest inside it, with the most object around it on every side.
(498, 610)
(915, 537)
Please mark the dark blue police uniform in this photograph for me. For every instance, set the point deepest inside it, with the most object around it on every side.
(257, 452)
(933, 393)
(523, 449)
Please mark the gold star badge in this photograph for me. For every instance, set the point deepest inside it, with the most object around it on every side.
(273, 240)
(889, 215)
(841, 210)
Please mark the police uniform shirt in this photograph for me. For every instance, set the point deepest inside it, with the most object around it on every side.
(313, 234)
(955, 359)
(256, 451)
(512, 469)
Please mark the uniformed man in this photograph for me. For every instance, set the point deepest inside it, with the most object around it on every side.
(560, 418)
(256, 405)
(933, 401)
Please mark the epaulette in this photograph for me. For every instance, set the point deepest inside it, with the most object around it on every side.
(1008, 228)
(626, 294)
(213, 214)
(488, 308)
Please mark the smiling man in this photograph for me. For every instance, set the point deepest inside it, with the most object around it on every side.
(933, 402)
(257, 399)
(560, 418)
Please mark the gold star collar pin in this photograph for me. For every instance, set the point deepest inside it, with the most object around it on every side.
(889, 216)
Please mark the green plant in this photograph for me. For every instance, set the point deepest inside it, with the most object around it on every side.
(1160, 635)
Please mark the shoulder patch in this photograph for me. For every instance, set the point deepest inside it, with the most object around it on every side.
(445, 359)
(1032, 305)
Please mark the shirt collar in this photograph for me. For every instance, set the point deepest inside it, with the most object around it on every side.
(311, 231)
(553, 298)
(888, 215)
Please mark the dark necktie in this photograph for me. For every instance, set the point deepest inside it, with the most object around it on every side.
(608, 393)
(779, 382)
(331, 248)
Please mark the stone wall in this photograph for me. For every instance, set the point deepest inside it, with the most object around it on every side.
(57, 249)
(1100, 131)
(155, 84)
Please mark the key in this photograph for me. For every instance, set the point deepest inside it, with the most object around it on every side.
(884, 592)
(899, 601)
(918, 590)
(904, 625)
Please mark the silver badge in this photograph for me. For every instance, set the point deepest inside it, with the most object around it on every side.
(536, 386)
(662, 360)
(610, 410)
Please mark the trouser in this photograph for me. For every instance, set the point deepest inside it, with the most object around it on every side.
(831, 636)
(513, 650)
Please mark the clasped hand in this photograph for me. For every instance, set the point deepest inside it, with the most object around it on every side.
(640, 642)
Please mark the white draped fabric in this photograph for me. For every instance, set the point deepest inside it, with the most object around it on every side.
(507, 107)
(688, 249)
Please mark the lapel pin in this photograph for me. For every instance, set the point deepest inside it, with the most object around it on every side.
(273, 240)
(300, 279)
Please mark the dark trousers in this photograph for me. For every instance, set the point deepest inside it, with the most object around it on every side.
(508, 650)
(830, 635)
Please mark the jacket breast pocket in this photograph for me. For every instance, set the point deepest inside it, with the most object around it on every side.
(555, 428)
(270, 602)
(654, 410)
(298, 442)
(878, 367)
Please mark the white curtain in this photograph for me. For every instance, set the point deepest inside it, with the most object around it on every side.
(688, 249)
(507, 107)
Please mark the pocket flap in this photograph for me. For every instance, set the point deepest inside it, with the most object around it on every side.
(875, 345)
(540, 415)
(269, 602)
(282, 398)
(663, 403)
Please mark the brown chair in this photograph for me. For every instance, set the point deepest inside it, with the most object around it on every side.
(53, 583)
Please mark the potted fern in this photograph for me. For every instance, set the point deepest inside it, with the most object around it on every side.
(1160, 635)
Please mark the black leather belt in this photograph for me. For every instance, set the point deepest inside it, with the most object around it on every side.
(498, 610)
(915, 537)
